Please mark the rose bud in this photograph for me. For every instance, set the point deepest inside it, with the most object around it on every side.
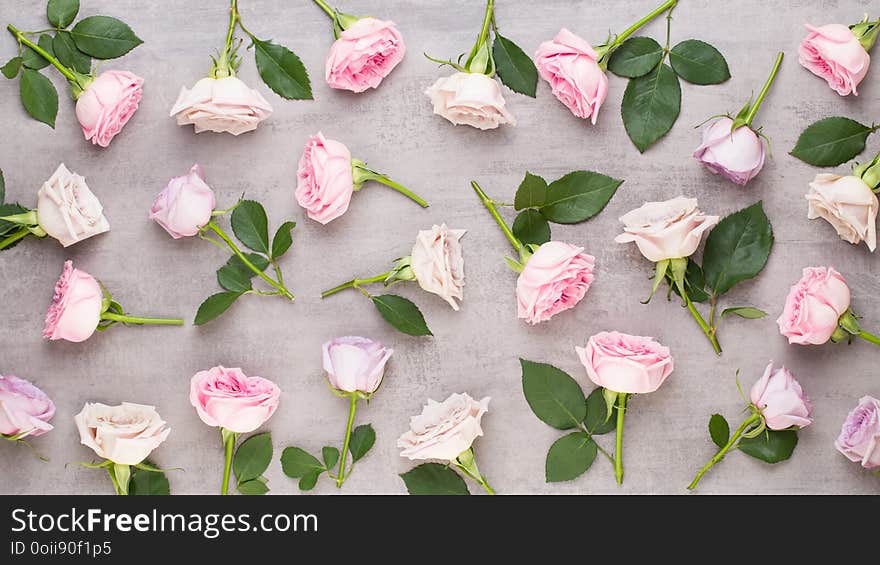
(185, 205)
(848, 204)
(555, 278)
(365, 52)
(125, 434)
(666, 230)
(781, 400)
(444, 430)
(837, 54)
(570, 65)
(229, 399)
(67, 210)
(355, 364)
(736, 154)
(472, 99)
(106, 105)
(813, 306)
(625, 363)
(221, 105)
(76, 307)
(437, 263)
(25, 410)
(859, 438)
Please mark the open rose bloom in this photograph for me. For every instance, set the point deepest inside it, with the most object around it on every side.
(438, 264)
(221, 105)
(76, 307)
(781, 400)
(472, 99)
(67, 210)
(355, 364)
(625, 363)
(666, 230)
(229, 399)
(737, 155)
(324, 179)
(25, 410)
(555, 278)
(364, 54)
(570, 66)
(444, 430)
(813, 306)
(125, 434)
(834, 53)
(859, 438)
(108, 104)
(848, 204)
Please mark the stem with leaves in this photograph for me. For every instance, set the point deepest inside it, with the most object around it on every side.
(605, 51)
(491, 206)
(212, 225)
(352, 407)
(731, 443)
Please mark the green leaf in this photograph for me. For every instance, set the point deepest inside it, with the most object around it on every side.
(215, 305)
(578, 196)
(532, 192)
(11, 68)
(635, 57)
(831, 142)
(330, 455)
(103, 37)
(251, 226)
(530, 226)
(253, 487)
(719, 430)
(748, 312)
(402, 314)
(515, 69)
(362, 439)
(554, 397)
(6, 228)
(771, 446)
(737, 249)
(235, 276)
(434, 478)
(309, 481)
(39, 97)
(33, 60)
(61, 13)
(148, 483)
(69, 55)
(252, 457)
(651, 104)
(596, 420)
(282, 71)
(569, 457)
(282, 240)
(698, 62)
(296, 463)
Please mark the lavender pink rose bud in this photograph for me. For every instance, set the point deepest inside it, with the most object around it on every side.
(25, 410)
(445, 429)
(438, 264)
(125, 434)
(813, 306)
(229, 399)
(625, 363)
(555, 278)
(108, 104)
(473, 99)
(76, 307)
(781, 400)
(736, 155)
(355, 364)
(325, 181)
(834, 53)
(185, 205)
(67, 210)
(569, 64)
(848, 204)
(221, 105)
(364, 54)
(859, 438)
(666, 230)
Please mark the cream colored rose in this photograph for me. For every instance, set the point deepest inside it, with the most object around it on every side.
(222, 105)
(124, 434)
(472, 99)
(438, 264)
(444, 429)
(848, 204)
(67, 210)
(666, 230)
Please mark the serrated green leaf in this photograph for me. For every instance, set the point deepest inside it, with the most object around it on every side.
(253, 487)
(103, 37)
(530, 226)
(251, 226)
(737, 249)
(309, 480)
(515, 69)
(69, 55)
(771, 446)
(651, 104)
(330, 455)
(578, 196)
(296, 463)
(11, 68)
(719, 430)
(597, 421)
(698, 62)
(402, 314)
(434, 478)
(252, 457)
(282, 240)
(61, 13)
(747, 312)
(282, 70)
(569, 457)
(214, 306)
(831, 142)
(33, 60)
(362, 439)
(554, 397)
(532, 193)
(636, 57)
(235, 276)
(694, 282)
(148, 483)
(39, 97)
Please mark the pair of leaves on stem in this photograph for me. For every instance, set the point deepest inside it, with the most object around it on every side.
(832, 141)
(251, 460)
(574, 198)
(771, 446)
(300, 464)
(8, 209)
(558, 401)
(652, 100)
(148, 483)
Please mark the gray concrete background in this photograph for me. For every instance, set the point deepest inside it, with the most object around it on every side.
(474, 350)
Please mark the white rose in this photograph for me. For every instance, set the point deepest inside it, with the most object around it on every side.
(848, 204)
(437, 262)
(444, 429)
(125, 434)
(473, 99)
(221, 105)
(67, 210)
(666, 230)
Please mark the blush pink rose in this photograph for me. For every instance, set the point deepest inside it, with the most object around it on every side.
(221, 105)
(67, 210)
(554, 279)
(813, 306)
(444, 430)
(859, 438)
(671, 229)
(472, 99)
(625, 363)
(107, 104)
(437, 263)
(363, 55)
(325, 181)
(76, 307)
(355, 364)
(229, 399)
(25, 410)
(834, 53)
(736, 155)
(185, 205)
(848, 204)
(125, 434)
(569, 64)
(781, 400)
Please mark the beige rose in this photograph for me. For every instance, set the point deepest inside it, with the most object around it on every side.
(666, 230)
(848, 204)
(67, 210)
(438, 264)
(221, 105)
(124, 434)
(472, 99)
(444, 429)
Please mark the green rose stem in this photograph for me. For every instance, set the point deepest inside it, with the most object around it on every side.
(355, 283)
(21, 234)
(605, 51)
(707, 329)
(849, 324)
(678, 268)
(490, 205)
(362, 174)
(229, 439)
(352, 407)
(618, 439)
(142, 321)
(747, 120)
(121, 477)
(869, 337)
(327, 9)
(488, 66)
(468, 465)
(731, 443)
(77, 80)
(225, 67)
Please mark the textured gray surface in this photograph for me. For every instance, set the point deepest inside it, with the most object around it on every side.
(474, 350)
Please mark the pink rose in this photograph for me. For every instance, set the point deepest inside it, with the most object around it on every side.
(355, 364)
(76, 307)
(325, 180)
(813, 306)
(570, 65)
(472, 99)
(107, 104)
(67, 210)
(364, 54)
(444, 430)
(624, 363)
(437, 263)
(124, 434)
(221, 105)
(666, 230)
(736, 155)
(834, 53)
(185, 205)
(781, 400)
(859, 438)
(848, 204)
(229, 399)
(25, 410)
(554, 279)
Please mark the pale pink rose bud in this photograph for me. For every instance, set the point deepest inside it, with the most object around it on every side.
(666, 230)
(364, 54)
(67, 210)
(834, 53)
(185, 205)
(859, 438)
(355, 364)
(813, 306)
(107, 104)
(125, 434)
(445, 429)
(76, 307)
(324, 179)
(229, 399)
(781, 400)
(569, 64)
(473, 99)
(25, 410)
(221, 105)
(848, 204)
(437, 263)
(555, 278)
(736, 155)
(624, 363)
